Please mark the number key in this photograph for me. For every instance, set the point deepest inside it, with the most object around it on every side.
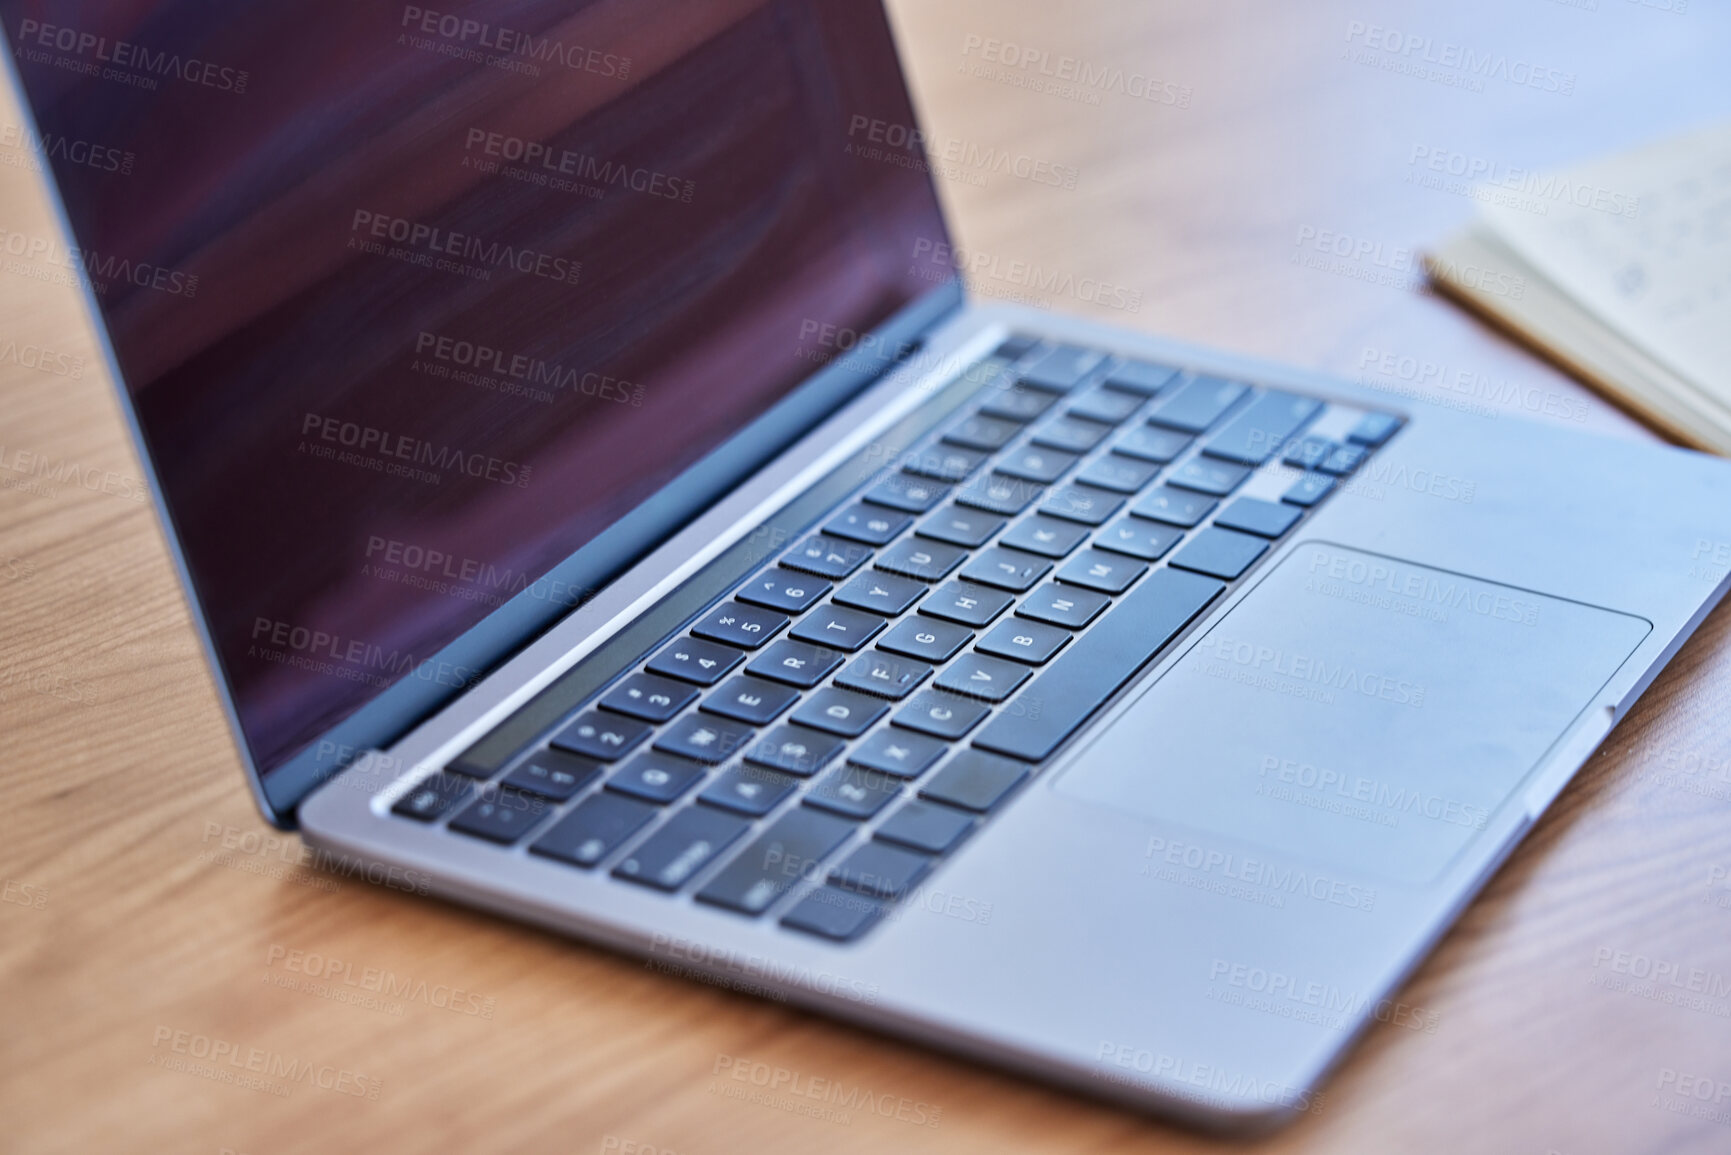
(648, 697)
(603, 737)
(739, 625)
(782, 589)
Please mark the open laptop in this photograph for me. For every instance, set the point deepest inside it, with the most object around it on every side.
(603, 505)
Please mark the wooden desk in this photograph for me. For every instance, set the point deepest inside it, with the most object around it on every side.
(141, 899)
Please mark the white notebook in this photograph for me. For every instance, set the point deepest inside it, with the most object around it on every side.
(1620, 269)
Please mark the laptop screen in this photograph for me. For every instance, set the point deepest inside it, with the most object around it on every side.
(415, 302)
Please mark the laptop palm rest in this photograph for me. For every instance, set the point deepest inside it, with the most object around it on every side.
(1357, 710)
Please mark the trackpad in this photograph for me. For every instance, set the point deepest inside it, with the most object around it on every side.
(1357, 710)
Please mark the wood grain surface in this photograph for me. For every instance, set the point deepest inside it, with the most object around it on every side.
(144, 897)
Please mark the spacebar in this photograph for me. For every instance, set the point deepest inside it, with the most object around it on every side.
(1100, 661)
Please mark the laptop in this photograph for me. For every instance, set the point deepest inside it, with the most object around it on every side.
(603, 505)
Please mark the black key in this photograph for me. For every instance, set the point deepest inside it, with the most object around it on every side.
(1151, 444)
(970, 605)
(1344, 460)
(906, 491)
(1107, 572)
(748, 790)
(879, 593)
(886, 676)
(1009, 569)
(681, 848)
(1107, 404)
(829, 557)
(501, 816)
(1033, 463)
(740, 625)
(926, 826)
(1063, 606)
(1373, 429)
(949, 463)
(999, 493)
(553, 775)
(941, 715)
(898, 752)
(1082, 503)
(1308, 490)
(1220, 553)
(704, 738)
(1144, 539)
(1308, 452)
(433, 797)
(1118, 473)
(1141, 376)
(974, 780)
(783, 589)
(655, 777)
(701, 662)
(1090, 671)
(840, 712)
(1264, 518)
(1018, 403)
(1206, 475)
(1174, 507)
(921, 558)
(1024, 641)
(1263, 428)
(1013, 347)
(868, 523)
(749, 699)
(834, 914)
(842, 629)
(462, 765)
(981, 677)
(881, 870)
(986, 433)
(796, 663)
(854, 792)
(648, 697)
(601, 736)
(796, 750)
(1046, 536)
(590, 833)
(1071, 434)
(925, 639)
(779, 857)
(961, 526)
(1061, 368)
(1197, 404)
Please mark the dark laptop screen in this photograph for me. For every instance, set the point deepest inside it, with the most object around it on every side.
(414, 301)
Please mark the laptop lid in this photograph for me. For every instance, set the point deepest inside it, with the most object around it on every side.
(432, 320)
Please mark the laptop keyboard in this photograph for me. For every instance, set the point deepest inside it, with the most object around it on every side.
(814, 743)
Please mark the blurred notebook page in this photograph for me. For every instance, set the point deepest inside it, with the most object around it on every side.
(1624, 274)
